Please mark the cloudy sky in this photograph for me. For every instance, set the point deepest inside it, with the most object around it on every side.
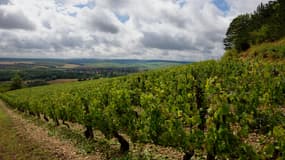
(135, 29)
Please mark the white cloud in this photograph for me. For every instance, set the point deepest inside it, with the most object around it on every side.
(160, 29)
(5, 2)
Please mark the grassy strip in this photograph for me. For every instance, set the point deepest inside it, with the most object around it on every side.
(14, 146)
(270, 50)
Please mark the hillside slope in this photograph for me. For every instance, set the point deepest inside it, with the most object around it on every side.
(272, 51)
(211, 108)
(269, 51)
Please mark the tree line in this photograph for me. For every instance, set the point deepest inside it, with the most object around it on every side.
(265, 24)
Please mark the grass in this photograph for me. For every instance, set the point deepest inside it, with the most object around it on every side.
(14, 146)
(5, 86)
(269, 50)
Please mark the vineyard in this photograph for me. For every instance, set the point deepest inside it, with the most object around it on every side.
(228, 109)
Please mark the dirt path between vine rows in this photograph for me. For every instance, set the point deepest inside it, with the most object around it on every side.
(21, 140)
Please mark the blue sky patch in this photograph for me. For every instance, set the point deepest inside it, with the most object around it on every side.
(89, 4)
(72, 14)
(222, 5)
(122, 18)
(181, 3)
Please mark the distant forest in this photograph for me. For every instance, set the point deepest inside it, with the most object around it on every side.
(266, 24)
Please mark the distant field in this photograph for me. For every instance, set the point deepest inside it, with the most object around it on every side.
(15, 62)
(62, 81)
(137, 64)
(97, 63)
(51, 69)
(69, 66)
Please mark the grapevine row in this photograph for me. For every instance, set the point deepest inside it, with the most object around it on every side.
(208, 108)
